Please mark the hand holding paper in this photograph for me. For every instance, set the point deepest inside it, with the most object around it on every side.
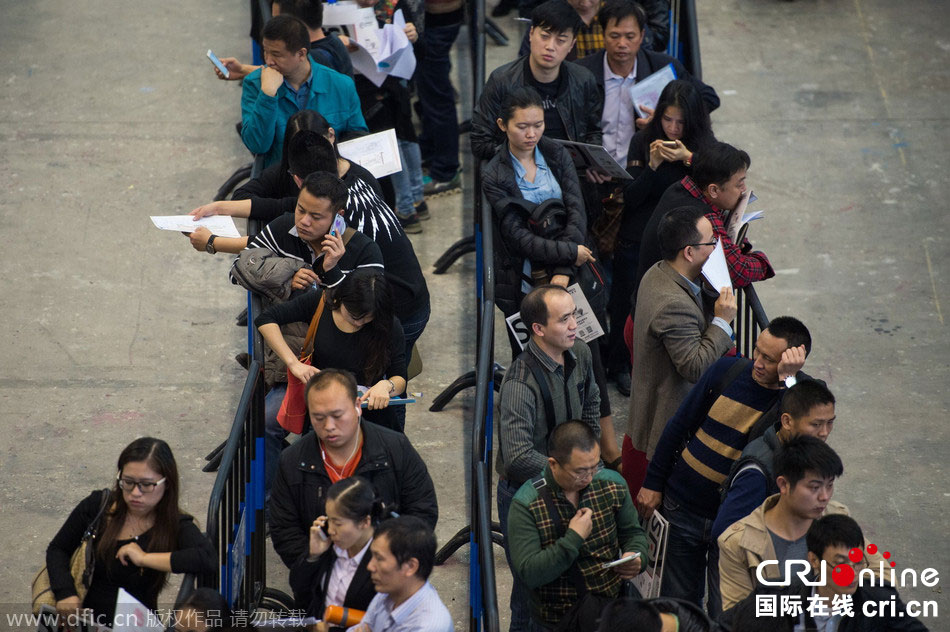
(734, 222)
(716, 270)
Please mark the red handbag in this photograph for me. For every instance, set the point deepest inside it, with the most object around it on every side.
(293, 410)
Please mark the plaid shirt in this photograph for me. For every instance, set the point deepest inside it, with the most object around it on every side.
(745, 267)
(543, 558)
(590, 39)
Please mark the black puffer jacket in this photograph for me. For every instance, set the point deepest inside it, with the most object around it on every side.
(580, 104)
(518, 242)
(298, 496)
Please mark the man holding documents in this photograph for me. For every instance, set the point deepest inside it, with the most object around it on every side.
(701, 441)
(569, 529)
(680, 329)
(718, 188)
(621, 65)
(292, 81)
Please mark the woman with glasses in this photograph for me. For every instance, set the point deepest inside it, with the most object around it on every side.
(141, 537)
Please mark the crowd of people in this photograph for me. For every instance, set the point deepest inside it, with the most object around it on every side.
(731, 451)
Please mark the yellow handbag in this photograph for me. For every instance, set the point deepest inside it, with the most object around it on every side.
(81, 565)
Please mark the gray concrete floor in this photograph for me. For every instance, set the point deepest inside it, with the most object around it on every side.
(113, 329)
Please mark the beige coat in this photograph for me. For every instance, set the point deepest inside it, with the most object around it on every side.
(745, 544)
(673, 345)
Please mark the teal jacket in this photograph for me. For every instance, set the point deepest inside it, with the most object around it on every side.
(264, 118)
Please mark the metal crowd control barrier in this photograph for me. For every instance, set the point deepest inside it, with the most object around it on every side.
(750, 320)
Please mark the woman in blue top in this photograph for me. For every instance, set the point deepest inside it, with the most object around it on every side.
(529, 168)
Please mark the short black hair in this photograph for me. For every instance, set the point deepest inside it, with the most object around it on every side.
(325, 377)
(802, 454)
(309, 152)
(677, 229)
(322, 184)
(556, 16)
(622, 612)
(833, 530)
(718, 162)
(289, 30)
(410, 537)
(792, 331)
(310, 12)
(519, 98)
(210, 608)
(534, 309)
(567, 436)
(805, 395)
(619, 10)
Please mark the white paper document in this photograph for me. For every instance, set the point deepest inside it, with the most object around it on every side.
(595, 157)
(393, 56)
(343, 13)
(377, 153)
(588, 327)
(646, 92)
(716, 270)
(132, 616)
(649, 580)
(221, 225)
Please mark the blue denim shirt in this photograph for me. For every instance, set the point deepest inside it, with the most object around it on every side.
(544, 187)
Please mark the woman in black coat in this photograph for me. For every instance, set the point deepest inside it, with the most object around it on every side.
(336, 572)
(529, 170)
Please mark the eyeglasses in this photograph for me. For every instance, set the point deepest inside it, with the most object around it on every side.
(705, 243)
(585, 473)
(129, 484)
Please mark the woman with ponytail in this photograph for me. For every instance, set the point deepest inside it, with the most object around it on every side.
(336, 572)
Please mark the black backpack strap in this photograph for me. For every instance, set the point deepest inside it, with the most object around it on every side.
(538, 372)
(727, 378)
(544, 491)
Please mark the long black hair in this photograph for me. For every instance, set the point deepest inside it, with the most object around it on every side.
(366, 291)
(697, 128)
(164, 532)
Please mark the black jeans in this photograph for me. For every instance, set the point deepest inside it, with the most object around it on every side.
(440, 126)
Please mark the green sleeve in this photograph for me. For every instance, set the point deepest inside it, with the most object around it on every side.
(535, 565)
(631, 535)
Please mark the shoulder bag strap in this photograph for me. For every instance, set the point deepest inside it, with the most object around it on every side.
(307, 349)
(538, 372)
(348, 235)
(89, 538)
(573, 572)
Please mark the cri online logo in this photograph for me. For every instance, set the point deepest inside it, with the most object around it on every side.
(843, 574)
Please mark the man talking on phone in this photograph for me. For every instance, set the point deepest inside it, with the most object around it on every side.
(567, 527)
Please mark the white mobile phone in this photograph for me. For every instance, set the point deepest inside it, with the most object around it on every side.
(622, 560)
(217, 62)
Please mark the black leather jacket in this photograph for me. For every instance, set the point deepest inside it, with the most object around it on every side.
(580, 104)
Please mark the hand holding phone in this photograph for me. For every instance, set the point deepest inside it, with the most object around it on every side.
(217, 62)
(622, 560)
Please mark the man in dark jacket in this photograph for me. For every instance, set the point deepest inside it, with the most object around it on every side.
(342, 446)
(572, 102)
(621, 65)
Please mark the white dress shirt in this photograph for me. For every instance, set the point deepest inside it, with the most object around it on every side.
(618, 120)
(344, 568)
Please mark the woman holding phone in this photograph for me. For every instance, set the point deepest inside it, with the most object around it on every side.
(336, 573)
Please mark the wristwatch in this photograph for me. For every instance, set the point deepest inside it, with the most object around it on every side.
(790, 381)
(209, 247)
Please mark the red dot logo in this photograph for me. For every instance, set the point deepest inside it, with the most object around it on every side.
(872, 549)
(855, 555)
(843, 575)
